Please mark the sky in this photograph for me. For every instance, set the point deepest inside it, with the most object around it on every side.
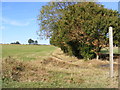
(19, 21)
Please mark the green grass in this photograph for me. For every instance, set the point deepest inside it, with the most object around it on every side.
(56, 73)
(33, 52)
(27, 52)
(63, 79)
(106, 50)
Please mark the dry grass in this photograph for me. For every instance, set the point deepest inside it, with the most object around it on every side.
(22, 71)
(60, 70)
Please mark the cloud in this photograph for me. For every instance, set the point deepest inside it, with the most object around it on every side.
(15, 22)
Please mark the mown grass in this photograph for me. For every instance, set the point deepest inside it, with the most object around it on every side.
(27, 52)
(31, 66)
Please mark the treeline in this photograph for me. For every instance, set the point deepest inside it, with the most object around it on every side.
(30, 41)
(80, 29)
(17, 42)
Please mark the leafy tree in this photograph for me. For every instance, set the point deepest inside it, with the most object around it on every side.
(78, 28)
(17, 42)
(36, 42)
(30, 41)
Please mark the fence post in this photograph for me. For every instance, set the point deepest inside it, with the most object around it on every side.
(111, 50)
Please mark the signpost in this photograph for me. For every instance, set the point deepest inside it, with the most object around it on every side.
(111, 50)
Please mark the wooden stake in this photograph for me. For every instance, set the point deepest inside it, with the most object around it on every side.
(111, 51)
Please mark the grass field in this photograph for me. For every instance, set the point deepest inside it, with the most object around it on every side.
(106, 50)
(32, 66)
(26, 52)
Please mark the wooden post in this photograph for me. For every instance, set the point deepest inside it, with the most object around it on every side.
(111, 51)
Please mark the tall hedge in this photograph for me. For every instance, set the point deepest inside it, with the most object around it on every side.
(79, 28)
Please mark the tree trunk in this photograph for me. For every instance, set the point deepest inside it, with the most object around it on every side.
(97, 56)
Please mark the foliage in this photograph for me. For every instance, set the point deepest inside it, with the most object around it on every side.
(30, 41)
(36, 42)
(86, 52)
(17, 42)
(70, 25)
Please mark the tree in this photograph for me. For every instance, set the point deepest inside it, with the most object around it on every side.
(17, 42)
(78, 28)
(36, 42)
(30, 41)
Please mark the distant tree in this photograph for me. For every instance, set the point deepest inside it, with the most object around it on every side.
(30, 41)
(17, 42)
(35, 42)
(12, 43)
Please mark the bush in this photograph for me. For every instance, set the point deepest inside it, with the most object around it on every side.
(86, 52)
